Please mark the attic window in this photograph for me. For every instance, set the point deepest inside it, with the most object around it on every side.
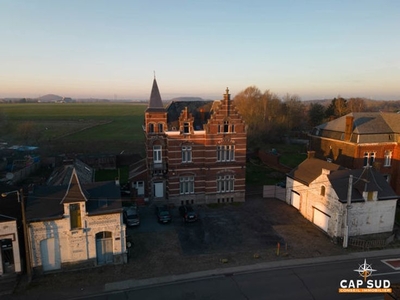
(185, 127)
(226, 126)
(75, 216)
(322, 193)
(370, 196)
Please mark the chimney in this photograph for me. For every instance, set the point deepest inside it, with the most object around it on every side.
(310, 154)
(349, 128)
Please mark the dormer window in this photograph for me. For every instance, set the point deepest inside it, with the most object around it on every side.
(370, 196)
(186, 127)
(75, 216)
(226, 126)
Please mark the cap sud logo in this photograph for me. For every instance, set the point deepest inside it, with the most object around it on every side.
(366, 284)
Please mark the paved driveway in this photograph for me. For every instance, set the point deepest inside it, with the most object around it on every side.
(224, 228)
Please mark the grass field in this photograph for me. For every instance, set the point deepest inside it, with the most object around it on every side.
(77, 127)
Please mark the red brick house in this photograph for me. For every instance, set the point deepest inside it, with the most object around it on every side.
(195, 152)
(360, 140)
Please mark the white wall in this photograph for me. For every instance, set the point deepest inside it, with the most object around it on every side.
(366, 217)
(78, 244)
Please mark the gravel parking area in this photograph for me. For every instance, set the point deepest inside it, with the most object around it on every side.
(224, 236)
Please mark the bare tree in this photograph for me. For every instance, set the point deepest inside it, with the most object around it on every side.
(356, 105)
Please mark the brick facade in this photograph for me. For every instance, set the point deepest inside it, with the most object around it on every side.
(196, 151)
(358, 139)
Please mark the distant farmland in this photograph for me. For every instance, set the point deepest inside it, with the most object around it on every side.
(74, 127)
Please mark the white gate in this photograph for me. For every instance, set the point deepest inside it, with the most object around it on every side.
(50, 254)
(295, 199)
(321, 219)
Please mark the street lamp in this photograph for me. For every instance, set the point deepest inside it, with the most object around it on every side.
(27, 254)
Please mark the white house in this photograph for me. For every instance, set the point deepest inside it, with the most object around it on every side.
(75, 223)
(320, 191)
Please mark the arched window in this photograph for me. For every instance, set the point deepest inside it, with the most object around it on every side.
(160, 127)
(151, 128)
(322, 190)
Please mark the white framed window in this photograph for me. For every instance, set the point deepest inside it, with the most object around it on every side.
(157, 153)
(186, 154)
(387, 158)
(225, 183)
(369, 158)
(186, 185)
(225, 153)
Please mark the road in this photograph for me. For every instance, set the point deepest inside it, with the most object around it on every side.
(311, 281)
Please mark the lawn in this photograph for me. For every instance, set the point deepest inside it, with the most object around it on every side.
(75, 127)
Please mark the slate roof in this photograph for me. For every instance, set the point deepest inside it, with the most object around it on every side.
(62, 175)
(366, 179)
(155, 103)
(47, 202)
(366, 123)
(310, 169)
(200, 110)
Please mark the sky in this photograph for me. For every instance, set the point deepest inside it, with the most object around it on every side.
(112, 49)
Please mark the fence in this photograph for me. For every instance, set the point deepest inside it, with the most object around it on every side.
(371, 244)
(274, 191)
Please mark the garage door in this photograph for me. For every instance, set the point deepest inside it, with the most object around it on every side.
(295, 199)
(321, 219)
(50, 254)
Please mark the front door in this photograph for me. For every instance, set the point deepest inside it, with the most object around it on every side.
(104, 247)
(158, 189)
(50, 254)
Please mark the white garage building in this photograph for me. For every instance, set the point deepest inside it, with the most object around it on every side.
(319, 190)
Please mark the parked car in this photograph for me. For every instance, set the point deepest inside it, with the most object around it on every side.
(163, 214)
(188, 214)
(131, 216)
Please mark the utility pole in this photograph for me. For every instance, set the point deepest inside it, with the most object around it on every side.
(20, 196)
(348, 206)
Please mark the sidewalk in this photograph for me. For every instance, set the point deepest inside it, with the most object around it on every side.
(135, 284)
(73, 292)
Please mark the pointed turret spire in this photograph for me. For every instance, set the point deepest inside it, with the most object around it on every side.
(155, 97)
